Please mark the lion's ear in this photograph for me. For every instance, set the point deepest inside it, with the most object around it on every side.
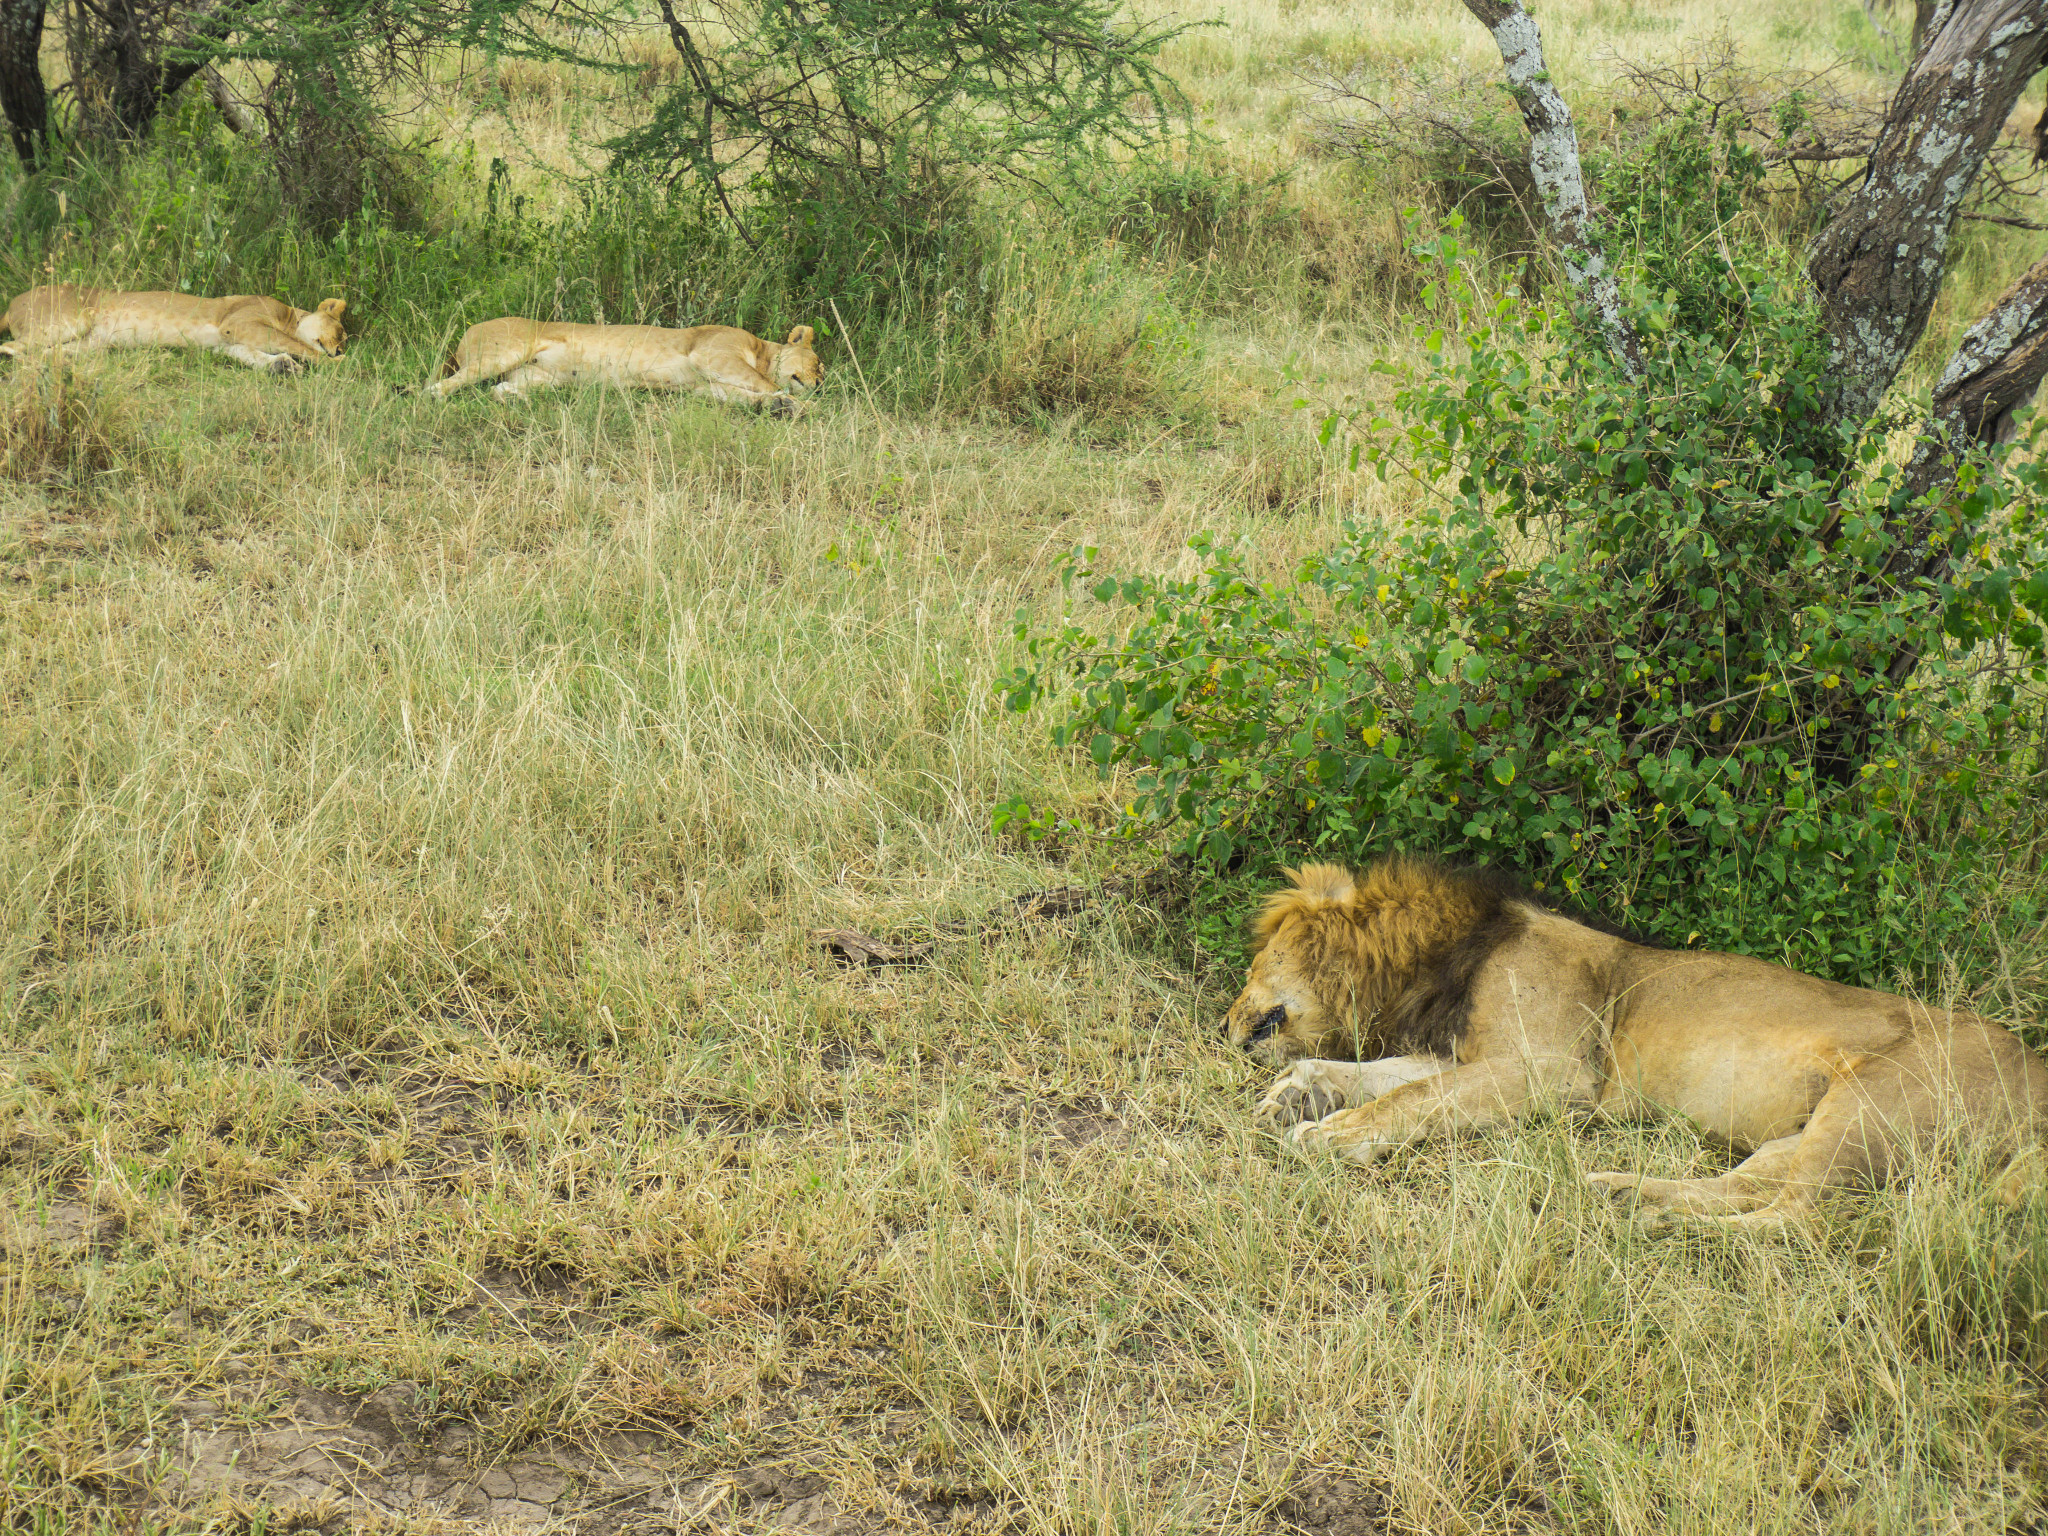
(1324, 882)
(333, 307)
(800, 337)
(1314, 886)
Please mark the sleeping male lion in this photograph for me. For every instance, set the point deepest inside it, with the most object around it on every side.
(721, 361)
(1459, 1002)
(256, 332)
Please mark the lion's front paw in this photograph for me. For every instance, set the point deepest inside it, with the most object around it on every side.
(282, 364)
(1303, 1092)
(1348, 1133)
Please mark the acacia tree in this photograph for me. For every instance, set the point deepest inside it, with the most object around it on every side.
(332, 58)
(883, 103)
(1877, 266)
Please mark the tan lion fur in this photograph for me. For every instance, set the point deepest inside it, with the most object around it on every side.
(256, 331)
(722, 361)
(1410, 999)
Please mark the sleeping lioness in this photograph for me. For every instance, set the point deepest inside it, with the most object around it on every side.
(1410, 1000)
(721, 361)
(255, 331)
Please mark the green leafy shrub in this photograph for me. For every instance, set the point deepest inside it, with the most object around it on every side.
(1634, 640)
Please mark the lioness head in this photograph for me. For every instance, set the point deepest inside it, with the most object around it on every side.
(321, 328)
(797, 368)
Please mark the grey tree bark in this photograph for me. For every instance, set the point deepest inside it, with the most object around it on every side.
(1554, 166)
(1878, 265)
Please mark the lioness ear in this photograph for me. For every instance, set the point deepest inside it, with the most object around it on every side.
(1323, 882)
(800, 337)
(333, 307)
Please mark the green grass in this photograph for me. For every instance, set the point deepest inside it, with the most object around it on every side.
(413, 818)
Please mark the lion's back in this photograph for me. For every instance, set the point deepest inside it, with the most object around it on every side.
(51, 308)
(63, 310)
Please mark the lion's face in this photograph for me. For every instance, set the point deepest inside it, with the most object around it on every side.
(322, 330)
(1279, 1017)
(797, 368)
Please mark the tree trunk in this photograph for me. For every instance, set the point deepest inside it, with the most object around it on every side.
(233, 110)
(121, 53)
(1554, 166)
(1994, 372)
(1879, 263)
(22, 98)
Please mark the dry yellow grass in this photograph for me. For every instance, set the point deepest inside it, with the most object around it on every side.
(421, 1099)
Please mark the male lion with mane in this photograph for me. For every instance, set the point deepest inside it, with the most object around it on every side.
(255, 331)
(721, 361)
(1459, 1001)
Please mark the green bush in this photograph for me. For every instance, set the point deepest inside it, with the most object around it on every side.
(1633, 640)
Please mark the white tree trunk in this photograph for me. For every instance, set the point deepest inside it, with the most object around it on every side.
(1560, 182)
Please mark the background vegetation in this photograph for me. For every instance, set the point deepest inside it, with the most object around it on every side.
(413, 819)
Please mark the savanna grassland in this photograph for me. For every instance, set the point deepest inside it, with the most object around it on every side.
(423, 1099)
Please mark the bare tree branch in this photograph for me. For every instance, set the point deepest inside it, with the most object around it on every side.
(1554, 166)
(1879, 263)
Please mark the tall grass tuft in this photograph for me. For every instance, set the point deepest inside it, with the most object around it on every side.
(60, 430)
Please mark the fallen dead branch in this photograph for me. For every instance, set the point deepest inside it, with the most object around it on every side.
(854, 948)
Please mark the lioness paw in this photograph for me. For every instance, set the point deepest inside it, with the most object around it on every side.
(282, 364)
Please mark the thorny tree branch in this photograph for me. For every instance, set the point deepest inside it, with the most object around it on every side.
(685, 45)
(1554, 166)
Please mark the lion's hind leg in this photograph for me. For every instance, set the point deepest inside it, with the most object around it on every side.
(1753, 1183)
(1863, 1127)
(492, 358)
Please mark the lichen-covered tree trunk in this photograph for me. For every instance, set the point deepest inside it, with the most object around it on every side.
(1878, 265)
(1554, 166)
(22, 98)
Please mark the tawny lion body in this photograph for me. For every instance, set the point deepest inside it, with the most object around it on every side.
(255, 331)
(722, 361)
(1457, 1002)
